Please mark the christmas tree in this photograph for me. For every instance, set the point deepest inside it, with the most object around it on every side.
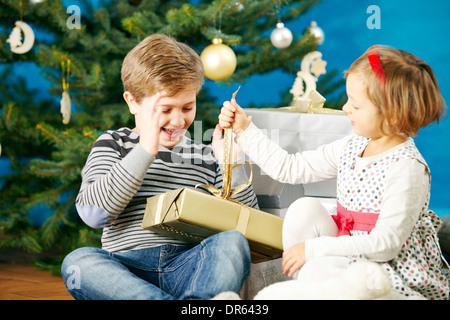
(81, 54)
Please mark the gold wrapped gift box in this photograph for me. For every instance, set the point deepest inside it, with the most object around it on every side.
(191, 216)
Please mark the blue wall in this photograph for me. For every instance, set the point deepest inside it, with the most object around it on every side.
(420, 27)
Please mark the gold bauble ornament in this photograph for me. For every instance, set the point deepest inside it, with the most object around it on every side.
(219, 60)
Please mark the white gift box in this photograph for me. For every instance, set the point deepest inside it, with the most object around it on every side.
(295, 132)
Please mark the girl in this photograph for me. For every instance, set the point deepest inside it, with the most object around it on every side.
(383, 182)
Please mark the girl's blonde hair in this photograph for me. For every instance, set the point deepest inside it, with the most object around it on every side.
(158, 63)
(406, 91)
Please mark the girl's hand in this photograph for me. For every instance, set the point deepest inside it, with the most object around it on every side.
(293, 259)
(232, 115)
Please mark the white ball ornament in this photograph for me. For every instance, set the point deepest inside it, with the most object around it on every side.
(315, 30)
(219, 60)
(281, 37)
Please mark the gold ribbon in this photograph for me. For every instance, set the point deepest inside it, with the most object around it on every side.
(228, 167)
(65, 74)
(244, 216)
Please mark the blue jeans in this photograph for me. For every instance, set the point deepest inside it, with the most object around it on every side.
(219, 263)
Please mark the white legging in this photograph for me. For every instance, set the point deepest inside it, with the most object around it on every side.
(307, 218)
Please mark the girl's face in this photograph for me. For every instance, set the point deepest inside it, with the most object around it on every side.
(364, 116)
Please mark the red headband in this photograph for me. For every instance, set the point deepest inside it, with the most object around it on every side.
(377, 68)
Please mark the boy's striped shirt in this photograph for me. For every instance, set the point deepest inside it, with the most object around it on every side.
(120, 175)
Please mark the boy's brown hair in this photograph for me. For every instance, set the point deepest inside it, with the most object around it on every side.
(158, 63)
(409, 98)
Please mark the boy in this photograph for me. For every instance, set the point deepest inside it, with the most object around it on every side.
(161, 79)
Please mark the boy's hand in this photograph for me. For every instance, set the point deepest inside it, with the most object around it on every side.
(293, 258)
(233, 115)
(147, 123)
(217, 145)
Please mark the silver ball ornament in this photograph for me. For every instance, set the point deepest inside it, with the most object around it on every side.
(281, 37)
(316, 31)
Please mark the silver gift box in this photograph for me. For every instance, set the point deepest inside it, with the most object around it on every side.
(295, 132)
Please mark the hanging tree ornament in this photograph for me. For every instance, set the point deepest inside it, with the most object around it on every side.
(15, 38)
(219, 60)
(281, 37)
(316, 31)
(65, 101)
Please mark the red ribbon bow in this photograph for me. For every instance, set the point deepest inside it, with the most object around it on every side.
(347, 220)
(344, 222)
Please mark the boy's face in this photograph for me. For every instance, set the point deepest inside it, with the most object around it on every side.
(178, 113)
